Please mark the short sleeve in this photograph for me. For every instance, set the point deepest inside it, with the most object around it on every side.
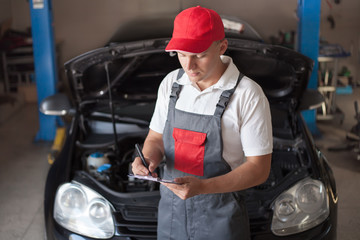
(159, 117)
(256, 128)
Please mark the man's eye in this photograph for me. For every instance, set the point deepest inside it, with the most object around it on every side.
(200, 56)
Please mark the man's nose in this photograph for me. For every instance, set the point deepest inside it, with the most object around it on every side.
(190, 63)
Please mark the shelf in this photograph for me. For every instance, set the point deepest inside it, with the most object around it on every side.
(327, 86)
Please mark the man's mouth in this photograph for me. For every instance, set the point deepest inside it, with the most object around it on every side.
(193, 74)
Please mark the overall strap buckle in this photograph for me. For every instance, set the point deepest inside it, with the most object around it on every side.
(176, 88)
(225, 98)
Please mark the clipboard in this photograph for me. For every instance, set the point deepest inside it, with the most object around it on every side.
(151, 178)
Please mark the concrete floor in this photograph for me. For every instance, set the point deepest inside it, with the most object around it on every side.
(23, 170)
(345, 165)
(24, 167)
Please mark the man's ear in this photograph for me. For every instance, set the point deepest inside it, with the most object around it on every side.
(223, 46)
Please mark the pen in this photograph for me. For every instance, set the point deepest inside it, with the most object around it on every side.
(139, 152)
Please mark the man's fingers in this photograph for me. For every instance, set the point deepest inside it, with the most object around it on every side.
(179, 190)
(138, 167)
(188, 187)
(180, 180)
(152, 167)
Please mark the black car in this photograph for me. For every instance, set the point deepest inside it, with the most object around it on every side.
(89, 194)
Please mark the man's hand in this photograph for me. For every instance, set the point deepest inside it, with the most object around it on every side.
(251, 173)
(153, 151)
(138, 167)
(187, 187)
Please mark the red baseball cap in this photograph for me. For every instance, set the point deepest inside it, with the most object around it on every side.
(195, 29)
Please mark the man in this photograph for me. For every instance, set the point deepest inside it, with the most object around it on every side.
(213, 126)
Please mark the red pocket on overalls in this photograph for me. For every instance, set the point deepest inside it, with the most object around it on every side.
(189, 151)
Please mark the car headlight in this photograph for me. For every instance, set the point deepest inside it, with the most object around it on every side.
(303, 206)
(83, 211)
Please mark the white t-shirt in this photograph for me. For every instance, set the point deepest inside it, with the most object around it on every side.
(246, 122)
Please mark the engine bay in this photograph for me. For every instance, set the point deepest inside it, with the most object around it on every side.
(111, 166)
(112, 169)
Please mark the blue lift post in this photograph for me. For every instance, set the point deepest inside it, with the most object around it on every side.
(308, 41)
(44, 62)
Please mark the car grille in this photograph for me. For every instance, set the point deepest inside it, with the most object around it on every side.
(136, 222)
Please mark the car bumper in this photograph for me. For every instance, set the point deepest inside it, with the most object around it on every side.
(60, 233)
(326, 231)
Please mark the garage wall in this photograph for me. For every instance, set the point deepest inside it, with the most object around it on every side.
(86, 24)
(82, 25)
(91, 23)
(5, 10)
(346, 31)
(20, 14)
(267, 17)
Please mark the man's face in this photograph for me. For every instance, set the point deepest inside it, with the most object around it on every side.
(204, 68)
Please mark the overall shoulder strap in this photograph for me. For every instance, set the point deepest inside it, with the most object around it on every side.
(225, 98)
(176, 88)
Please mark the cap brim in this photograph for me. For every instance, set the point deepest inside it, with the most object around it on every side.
(188, 45)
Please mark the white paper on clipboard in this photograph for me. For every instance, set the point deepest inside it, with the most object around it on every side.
(150, 178)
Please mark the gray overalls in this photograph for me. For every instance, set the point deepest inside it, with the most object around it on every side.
(193, 147)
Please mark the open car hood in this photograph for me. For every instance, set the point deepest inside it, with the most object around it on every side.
(127, 69)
